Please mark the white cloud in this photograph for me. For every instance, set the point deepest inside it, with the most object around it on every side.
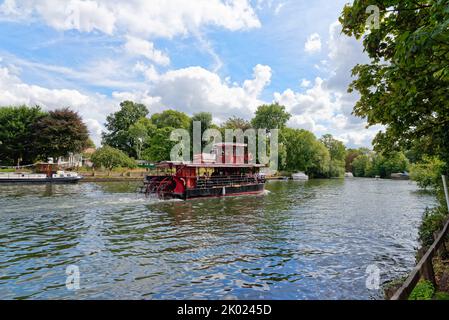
(313, 43)
(196, 89)
(325, 107)
(149, 72)
(156, 18)
(92, 108)
(305, 83)
(191, 90)
(140, 47)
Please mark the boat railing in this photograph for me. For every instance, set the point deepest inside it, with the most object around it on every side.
(219, 181)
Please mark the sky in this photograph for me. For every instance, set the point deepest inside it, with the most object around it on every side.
(226, 57)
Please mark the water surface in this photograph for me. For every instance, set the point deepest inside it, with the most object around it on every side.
(302, 240)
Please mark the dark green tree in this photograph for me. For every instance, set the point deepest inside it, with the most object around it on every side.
(118, 124)
(60, 132)
(16, 134)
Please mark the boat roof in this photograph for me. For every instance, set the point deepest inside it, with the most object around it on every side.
(167, 164)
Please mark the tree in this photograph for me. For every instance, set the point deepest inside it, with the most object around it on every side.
(159, 146)
(90, 144)
(362, 166)
(383, 165)
(59, 133)
(404, 87)
(16, 134)
(337, 152)
(140, 133)
(111, 158)
(270, 117)
(304, 152)
(118, 124)
(236, 123)
(205, 118)
(171, 118)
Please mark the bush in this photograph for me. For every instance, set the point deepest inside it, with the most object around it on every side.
(433, 221)
(441, 296)
(424, 290)
(111, 158)
(427, 173)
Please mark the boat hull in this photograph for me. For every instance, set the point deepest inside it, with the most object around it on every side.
(41, 181)
(218, 192)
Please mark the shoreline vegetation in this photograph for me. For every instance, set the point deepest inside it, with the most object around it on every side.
(134, 134)
(403, 87)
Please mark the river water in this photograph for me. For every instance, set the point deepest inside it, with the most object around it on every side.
(301, 240)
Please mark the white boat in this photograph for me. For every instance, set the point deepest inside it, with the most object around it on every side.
(300, 176)
(349, 175)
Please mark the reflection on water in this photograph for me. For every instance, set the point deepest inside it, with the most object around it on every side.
(302, 240)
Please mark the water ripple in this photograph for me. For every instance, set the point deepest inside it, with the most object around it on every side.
(309, 240)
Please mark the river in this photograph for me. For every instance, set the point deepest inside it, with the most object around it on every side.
(301, 240)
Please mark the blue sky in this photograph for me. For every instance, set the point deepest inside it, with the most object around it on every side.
(226, 57)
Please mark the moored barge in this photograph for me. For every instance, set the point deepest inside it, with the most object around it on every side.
(45, 173)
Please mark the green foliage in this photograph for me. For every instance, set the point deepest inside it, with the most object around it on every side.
(370, 164)
(270, 117)
(159, 146)
(111, 158)
(172, 119)
(90, 144)
(304, 152)
(337, 152)
(362, 166)
(236, 123)
(433, 221)
(140, 133)
(118, 124)
(30, 134)
(16, 134)
(205, 118)
(391, 163)
(7, 170)
(351, 155)
(59, 133)
(404, 87)
(424, 290)
(427, 173)
(441, 296)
